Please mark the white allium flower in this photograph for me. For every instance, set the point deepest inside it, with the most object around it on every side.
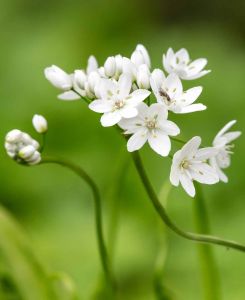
(40, 123)
(110, 66)
(21, 147)
(221, 143)
(181, 64)
(169, 91)
(58, 78)
(116, 101)
(140, 56)
(150, 125)
(190, 163)
(143, 77)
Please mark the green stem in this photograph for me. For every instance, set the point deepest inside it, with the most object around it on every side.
(165, 218)
(210, 275)
(98, 212)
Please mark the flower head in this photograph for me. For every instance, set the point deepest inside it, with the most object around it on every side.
(181, 64)
(190, 163)
(21, 147)
(169, 92)
(221, 143)
(150, 125)
(40, 123)
(116, 101)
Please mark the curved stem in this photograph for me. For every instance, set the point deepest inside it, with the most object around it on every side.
(98, 211)
(210, 274)
(165, 218)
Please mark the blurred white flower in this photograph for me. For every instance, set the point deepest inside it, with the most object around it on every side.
(150, 125)
(21, 147)
(140, 56)
(92, 64)
(190, 163)
(143, 77)
(116, 101)
(221, 142)
(58, 78)
(40, 123)
(181, 64)
(169, 92)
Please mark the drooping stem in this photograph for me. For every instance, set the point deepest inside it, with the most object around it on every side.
(98, 212)
(165, 218)
(210, 275)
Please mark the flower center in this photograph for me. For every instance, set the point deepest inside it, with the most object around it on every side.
(119, 104)
(151, 124)
(184, 164)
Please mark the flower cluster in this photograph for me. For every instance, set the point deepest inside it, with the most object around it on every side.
(129, 93)
(21, 147)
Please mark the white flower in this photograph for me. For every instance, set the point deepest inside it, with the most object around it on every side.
(150, 125)
(110, 66)
(140, 56)
(58, 78)
(21, 147)
(221, 143)
(40, 123)
(143, 77)
(116, 102)
(190, 164)
(181, 64)
(169, 91)
(92, 64)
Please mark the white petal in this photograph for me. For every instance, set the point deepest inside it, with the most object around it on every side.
(191, 147)
(137, 97)
(110, 118)
(128, 112)
(69, 96)
(203, 173)
(220, 173)
(174, 174)
(159, 110)
(160, 143)
(226, 128)
(206, 153)
(231, 136)
(189, 96)
(187, 184)
(183, 56)
(197, 65)
(169, 128)
(129, 67)
(137, 140)
(196, 76)
(124, 84)
(192, 108)
(169, 60)
(145, 54)
(173, 85)
(101, 106)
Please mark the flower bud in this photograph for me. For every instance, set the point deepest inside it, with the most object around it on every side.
(144, 55)
(110, 66)
(58, 78)
(92, 64)
(40, 123)
(22, 148)
(143, 77)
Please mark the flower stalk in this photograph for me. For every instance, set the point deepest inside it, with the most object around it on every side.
(201, 238)
(98, 213)
(210, 275)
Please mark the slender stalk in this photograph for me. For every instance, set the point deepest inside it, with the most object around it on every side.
(98, 212)
(210, 275)
(165, 218)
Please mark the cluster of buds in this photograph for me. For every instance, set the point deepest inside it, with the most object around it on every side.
(21, 147)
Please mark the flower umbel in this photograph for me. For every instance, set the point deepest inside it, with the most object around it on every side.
(181, 64)
(21, 147)
(190, 163)
(150, 125)
(222, 143)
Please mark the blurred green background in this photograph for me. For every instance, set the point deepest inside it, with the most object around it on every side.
(52, 205)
